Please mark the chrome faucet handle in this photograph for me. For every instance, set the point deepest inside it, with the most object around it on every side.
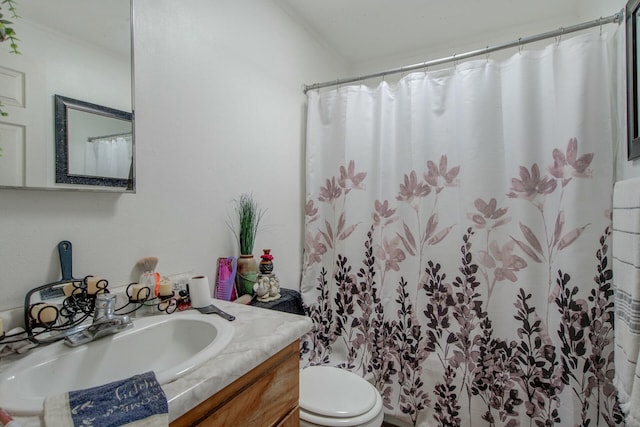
(105, 322)
(105, 306)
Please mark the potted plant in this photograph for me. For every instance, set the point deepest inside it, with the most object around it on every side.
(6, 30)
(249, 215)
(7, 33)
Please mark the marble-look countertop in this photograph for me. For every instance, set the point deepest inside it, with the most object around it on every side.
(259, 334)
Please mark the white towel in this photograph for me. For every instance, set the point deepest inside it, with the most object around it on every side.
(626, 279)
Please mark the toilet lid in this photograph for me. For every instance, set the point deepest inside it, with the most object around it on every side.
(335, 392)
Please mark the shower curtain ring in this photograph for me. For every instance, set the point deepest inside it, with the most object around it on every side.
(455, 64)
(600, 22)
(487, 53)
(520, 45)
(560, 36)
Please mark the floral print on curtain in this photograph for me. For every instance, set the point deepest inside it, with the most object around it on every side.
(510, 377)
(498, 326)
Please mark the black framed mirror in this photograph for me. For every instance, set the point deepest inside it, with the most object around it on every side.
(94, 145)
(632, 14)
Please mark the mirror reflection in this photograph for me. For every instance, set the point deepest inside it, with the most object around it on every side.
(94, 144)
(81, 50)
(108, 154)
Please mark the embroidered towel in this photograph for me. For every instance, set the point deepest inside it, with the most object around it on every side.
(138, 401)
(626, 280)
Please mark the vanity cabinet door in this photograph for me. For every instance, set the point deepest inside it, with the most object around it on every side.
(291, 420)
(265, 396)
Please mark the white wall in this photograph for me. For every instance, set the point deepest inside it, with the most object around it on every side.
(590, 10)
(593, 9)
(219, 111)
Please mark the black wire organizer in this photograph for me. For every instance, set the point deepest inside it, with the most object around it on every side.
(55, 310)
(162, 304)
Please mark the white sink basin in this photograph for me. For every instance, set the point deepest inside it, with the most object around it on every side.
(169, 345)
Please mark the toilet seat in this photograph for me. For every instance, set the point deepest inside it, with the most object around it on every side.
(336, 397)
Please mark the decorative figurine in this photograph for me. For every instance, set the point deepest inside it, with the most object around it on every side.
(261, 288)
(267, 288)
(274, 288)
(266, 262)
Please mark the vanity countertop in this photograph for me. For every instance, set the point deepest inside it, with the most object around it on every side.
(259, 334)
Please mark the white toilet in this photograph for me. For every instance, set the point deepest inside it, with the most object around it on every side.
(336, 397)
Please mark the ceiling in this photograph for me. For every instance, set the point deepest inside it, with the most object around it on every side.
(105, 23)
(366, 30)
(358, 31)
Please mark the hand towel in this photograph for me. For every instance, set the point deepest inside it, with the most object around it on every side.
(138, 401)
(626, 281)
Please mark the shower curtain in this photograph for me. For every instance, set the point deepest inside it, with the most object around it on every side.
(109, 157)
(457, 231)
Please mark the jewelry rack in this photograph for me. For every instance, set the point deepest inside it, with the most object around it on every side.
(54, 310)
(162, 304)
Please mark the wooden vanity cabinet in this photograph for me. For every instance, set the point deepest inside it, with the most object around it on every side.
(265, 396)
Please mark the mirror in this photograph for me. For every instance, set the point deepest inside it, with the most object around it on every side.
(633, 112)
(79, 50)
(94, 144)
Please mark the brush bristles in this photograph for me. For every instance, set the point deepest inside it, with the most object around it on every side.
(147, 264)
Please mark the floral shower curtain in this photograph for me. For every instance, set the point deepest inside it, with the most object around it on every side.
(457, 236)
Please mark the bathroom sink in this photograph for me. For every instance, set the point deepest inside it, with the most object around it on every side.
(169, 345)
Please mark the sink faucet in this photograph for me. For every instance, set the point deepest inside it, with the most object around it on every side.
(105, 322)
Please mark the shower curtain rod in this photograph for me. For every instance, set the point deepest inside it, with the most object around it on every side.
(113, 135)
(615, 18)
